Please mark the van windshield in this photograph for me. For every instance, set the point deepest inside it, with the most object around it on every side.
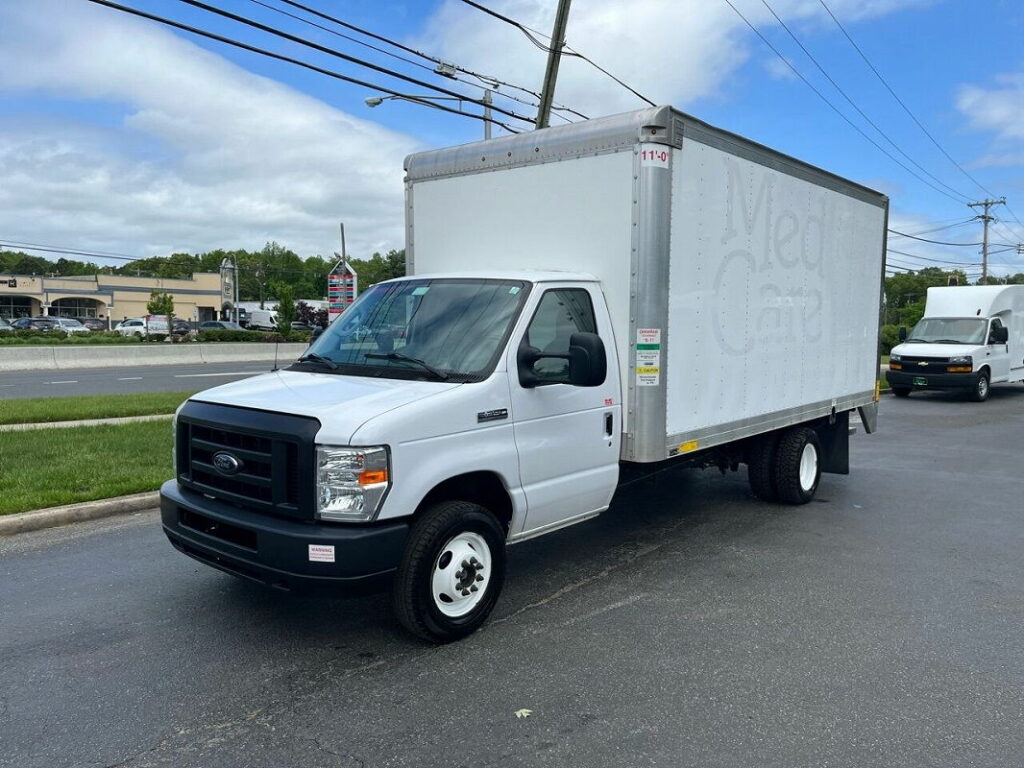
(437, 329)
(949, 330)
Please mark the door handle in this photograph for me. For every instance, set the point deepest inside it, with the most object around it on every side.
(609, 425)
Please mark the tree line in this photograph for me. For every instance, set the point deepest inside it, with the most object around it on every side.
(264, 275)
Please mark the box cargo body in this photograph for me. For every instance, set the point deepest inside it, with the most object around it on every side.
(744, 286)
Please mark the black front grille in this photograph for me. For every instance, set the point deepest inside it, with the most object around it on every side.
(274, 455)
(924, 365)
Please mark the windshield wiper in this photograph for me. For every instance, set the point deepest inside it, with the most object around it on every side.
(313, 357)
(947, 341)
(406, 359)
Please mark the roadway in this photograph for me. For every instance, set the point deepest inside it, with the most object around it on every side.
(688, 626)
(126, 380)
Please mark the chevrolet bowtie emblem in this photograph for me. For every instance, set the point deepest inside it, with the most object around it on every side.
(922, 363)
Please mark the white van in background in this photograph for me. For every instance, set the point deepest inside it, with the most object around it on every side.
(970, 337)
(263, 319)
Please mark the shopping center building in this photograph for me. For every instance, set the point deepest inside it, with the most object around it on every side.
(113, 297)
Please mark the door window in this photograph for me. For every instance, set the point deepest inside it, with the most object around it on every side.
(561, 313)
(996, 323)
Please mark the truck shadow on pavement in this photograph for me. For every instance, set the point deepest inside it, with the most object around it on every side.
(678, 513)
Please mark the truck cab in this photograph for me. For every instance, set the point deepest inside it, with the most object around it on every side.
(396, 423)
(968, 339)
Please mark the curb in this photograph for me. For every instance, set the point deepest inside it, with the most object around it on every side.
(23, 522)
(83, 422)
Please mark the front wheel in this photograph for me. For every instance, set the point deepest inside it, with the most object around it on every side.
(979, 393)
(901, 391)
(798, 465)
(451, 573)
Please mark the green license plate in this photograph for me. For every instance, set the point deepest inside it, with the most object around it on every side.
(920, 381)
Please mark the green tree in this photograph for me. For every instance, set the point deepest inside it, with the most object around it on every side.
(285, 308)
(377, 268)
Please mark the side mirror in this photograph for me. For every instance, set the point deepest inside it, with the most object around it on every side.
(588, 364)
(903, 333)
(1000, 335)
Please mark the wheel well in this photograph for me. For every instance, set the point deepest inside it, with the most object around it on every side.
(986, 369)
(483, 488)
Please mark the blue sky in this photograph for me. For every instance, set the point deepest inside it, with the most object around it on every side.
(121, 135)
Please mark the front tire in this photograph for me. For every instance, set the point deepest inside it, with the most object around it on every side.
(901, 391)
(451, 573)
(979, 393)
(798, 465)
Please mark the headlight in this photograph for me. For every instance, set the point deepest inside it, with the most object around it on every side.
(962, 360)
(350, 482)
(895, 358)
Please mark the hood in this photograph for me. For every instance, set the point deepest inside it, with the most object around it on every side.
(935, 350)
(341, 403)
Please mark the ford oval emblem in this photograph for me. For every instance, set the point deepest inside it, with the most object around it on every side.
(226, 463)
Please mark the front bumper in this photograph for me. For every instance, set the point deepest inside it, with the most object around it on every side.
(932, 380)
(277, 552)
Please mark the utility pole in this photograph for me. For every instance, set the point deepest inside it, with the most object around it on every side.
(547, 94)
(487, 113)
(986, 218)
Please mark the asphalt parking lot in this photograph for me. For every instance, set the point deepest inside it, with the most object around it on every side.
(689, 626)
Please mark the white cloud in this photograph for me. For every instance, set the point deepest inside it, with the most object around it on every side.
(206, 155)
(999, 109)
(672, 51)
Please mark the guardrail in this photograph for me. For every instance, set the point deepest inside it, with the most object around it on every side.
(56, 357)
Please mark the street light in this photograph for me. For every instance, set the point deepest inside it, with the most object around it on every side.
(376, 101)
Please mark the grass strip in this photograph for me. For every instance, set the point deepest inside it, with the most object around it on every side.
(40, 409)
(64, 466)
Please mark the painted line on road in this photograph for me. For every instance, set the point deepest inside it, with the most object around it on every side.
(204, 375)
(131, 378)
(63, 382)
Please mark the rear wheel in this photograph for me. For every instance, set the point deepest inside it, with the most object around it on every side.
(979, 393)
(761, 467)
(452, 572)
(901, 391)
(798, 465)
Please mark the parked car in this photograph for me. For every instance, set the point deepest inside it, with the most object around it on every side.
(220, 325)
(180, 327)
(142, 326)
(298, 325)
(70, 325)
(93, 323)
(35, 323)
(4, 325)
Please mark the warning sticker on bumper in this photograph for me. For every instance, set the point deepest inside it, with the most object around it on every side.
(321, 553)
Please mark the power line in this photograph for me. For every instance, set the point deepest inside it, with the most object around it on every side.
(937, 229)
(900, 101)
(933, 242)
(566, 49)
(832, 106)
(297, 62)
(345, 56)
(490, 81)
(853, 104)
(68, 251)
(935, 261)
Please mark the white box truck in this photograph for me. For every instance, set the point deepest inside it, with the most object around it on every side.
(584, 303)
(970, 337)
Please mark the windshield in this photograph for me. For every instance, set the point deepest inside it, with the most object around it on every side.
(949, 330)
(71, 323)
(451, 329)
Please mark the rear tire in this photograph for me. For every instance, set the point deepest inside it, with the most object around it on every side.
(451, 573)
(901, 391)
(979, 393)
(761, 467)
(798, 465)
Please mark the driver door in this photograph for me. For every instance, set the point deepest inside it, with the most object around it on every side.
(567, 437)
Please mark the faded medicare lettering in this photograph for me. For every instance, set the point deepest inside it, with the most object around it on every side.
(777, 242)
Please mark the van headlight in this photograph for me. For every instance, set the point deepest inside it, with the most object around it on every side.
(350, 482)
(962, 360)
(895, 358)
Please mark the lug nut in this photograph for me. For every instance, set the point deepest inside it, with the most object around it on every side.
(474, 588)
(479, 577)
(465, 563)
(460, 574)
(465, 592)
